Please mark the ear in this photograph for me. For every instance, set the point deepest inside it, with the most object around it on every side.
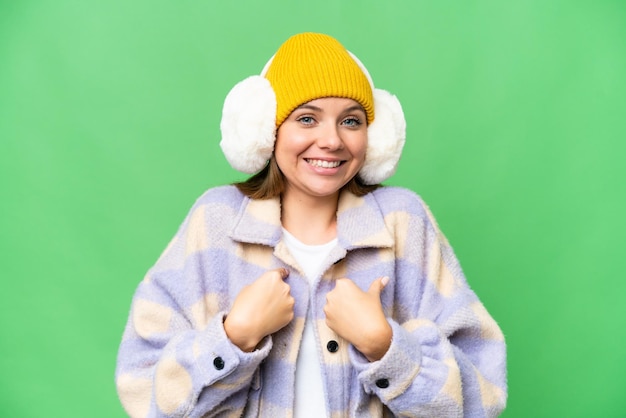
(248, 124)
(385, 138)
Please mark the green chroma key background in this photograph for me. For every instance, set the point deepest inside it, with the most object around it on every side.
(109, 130)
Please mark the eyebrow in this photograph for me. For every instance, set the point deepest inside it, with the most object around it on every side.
(308, 106)
(317, 109)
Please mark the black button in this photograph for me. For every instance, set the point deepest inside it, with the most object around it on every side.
(218, 363)
(382, 383)
(332, 346)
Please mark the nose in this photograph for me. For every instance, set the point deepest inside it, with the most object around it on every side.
(330, 138)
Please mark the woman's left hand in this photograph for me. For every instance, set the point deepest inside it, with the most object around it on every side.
(358, 317)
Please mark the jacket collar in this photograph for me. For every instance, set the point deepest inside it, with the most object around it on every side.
(360, 222)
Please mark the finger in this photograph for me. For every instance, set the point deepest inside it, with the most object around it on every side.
(342, 282)
(384, 281)
(283, 272)
(378, 285)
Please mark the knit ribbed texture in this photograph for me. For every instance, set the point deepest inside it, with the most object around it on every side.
(310, 66)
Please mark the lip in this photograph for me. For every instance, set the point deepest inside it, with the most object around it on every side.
(324, 163)
(325, 166)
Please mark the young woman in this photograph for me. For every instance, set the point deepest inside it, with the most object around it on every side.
(309, 290)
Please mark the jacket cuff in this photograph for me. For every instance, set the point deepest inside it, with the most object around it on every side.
(224, 361)
(390, 376)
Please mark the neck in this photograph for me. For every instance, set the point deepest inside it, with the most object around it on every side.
(313, 220)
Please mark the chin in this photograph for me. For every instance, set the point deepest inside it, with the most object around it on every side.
(325, 191)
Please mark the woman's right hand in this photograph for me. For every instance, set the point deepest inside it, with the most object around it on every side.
(260, 309)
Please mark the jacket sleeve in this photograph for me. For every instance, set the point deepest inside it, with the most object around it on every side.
(447, 356)
(175, 359)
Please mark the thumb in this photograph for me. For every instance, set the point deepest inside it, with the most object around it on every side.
(378, 285)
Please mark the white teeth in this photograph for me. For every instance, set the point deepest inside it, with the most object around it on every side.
(324, 164)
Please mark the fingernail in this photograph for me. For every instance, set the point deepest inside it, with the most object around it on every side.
(384, 281)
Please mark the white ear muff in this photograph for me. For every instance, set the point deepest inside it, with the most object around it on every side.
(385, 136)
(248, 124)
(385, 139)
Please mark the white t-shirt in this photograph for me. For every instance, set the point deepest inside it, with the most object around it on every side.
(310, 399)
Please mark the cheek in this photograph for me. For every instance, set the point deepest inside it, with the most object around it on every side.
(359, 147)
(364, 148)
(285, 153)
(290, 146)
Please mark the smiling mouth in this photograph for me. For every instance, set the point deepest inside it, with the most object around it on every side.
(323, 163)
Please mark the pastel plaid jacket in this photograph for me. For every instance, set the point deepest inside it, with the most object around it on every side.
(447, 356)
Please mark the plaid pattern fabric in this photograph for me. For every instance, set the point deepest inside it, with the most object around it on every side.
(447, 356)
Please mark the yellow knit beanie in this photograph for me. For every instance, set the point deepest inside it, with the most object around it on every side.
(310, 66)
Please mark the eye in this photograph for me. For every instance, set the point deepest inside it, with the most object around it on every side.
(306, 120)
(352, 121)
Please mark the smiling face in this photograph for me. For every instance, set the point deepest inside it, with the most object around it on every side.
(321, 146)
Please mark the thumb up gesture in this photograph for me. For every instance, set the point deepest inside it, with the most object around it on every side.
(358, 317)
(260, 309)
